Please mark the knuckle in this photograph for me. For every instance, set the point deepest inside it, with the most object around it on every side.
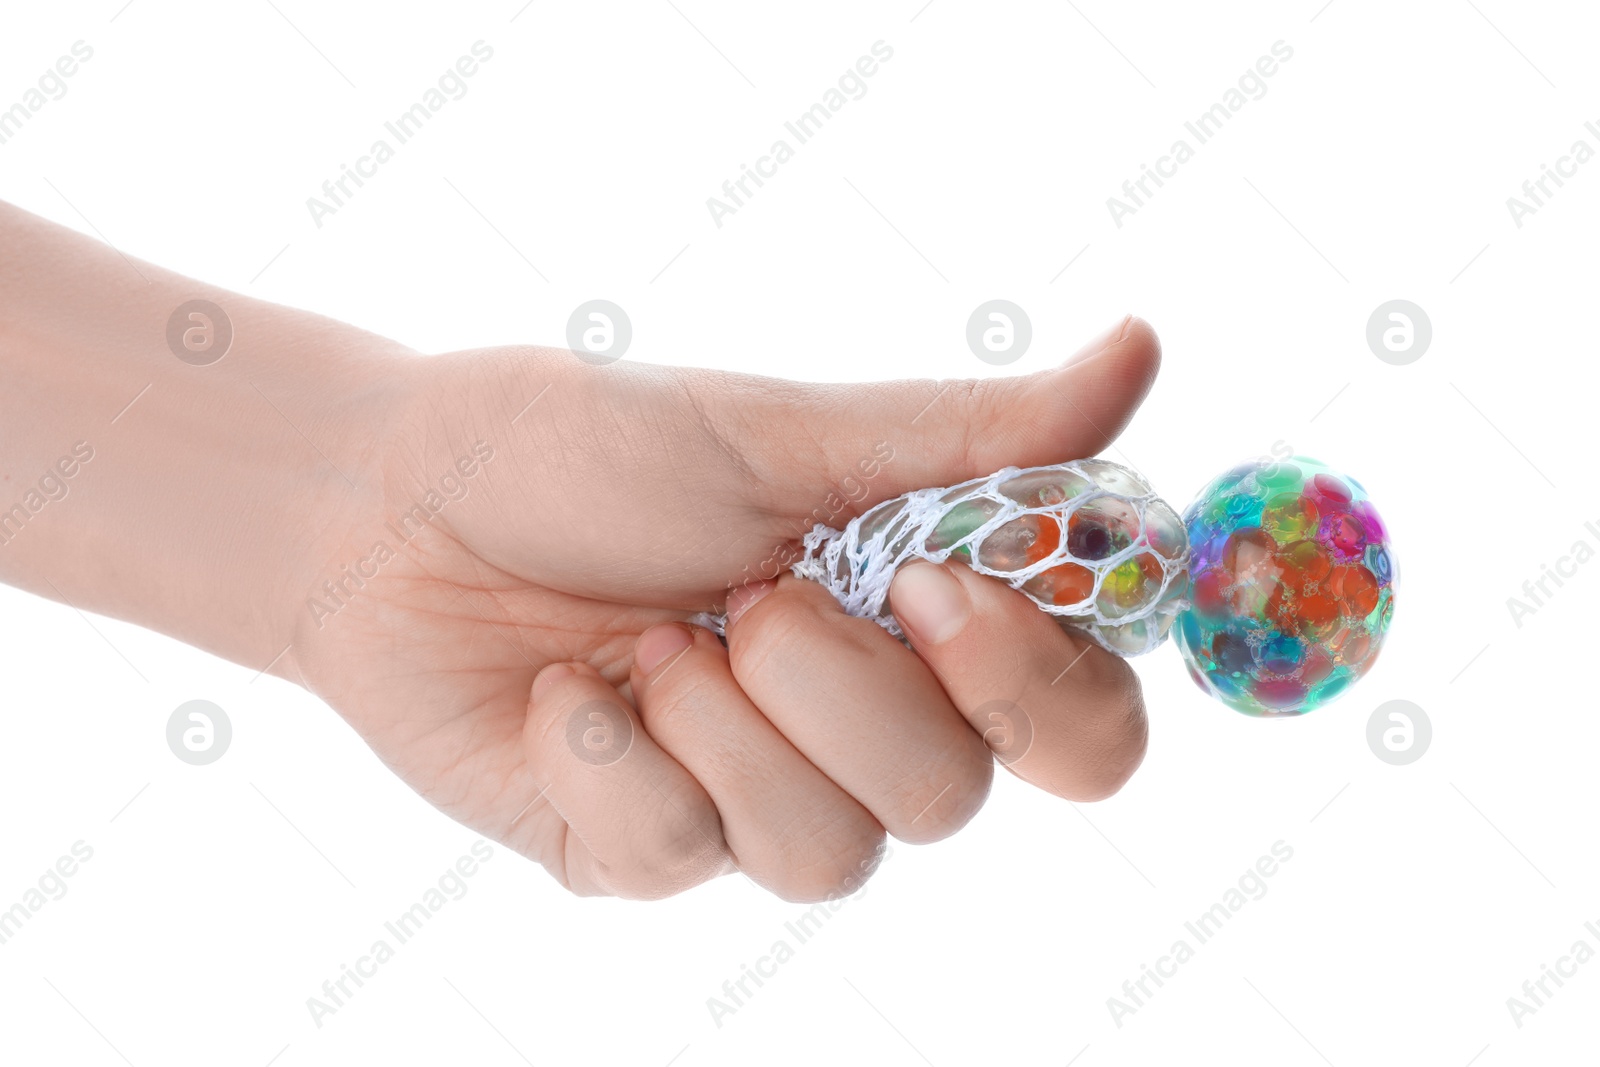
(834, 869)
(660, 849)
(982, 402)
(1121, 750)
(782, 622)
(674, 862)
(937, 803)
(683, 698)
(798, 624)
(1103, 672)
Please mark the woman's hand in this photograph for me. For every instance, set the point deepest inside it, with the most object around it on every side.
(484, 561)
(504, 621)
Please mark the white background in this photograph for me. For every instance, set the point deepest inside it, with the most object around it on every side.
(1377, 166)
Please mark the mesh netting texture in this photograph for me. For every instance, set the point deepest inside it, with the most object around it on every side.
(1087, 541)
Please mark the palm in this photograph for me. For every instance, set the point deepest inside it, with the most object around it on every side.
(561, 551)
(432, 663)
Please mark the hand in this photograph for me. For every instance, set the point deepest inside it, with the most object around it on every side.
(417, 540)
(522, 659)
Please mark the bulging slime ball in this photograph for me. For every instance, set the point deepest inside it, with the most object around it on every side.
(1292, 586)
(1279, 581)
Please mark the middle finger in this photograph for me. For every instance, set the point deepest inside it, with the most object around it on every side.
(862, 708)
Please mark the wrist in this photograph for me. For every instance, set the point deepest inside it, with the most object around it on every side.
(304, 434)
(234, 488)
(194, 497)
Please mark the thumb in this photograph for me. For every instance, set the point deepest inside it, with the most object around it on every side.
(889, 438)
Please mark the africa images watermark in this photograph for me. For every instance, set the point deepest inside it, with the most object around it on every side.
(51, 486)
(1538, 591)
(802, 128)
(1538, 190)
(451, 85)
(736, 992)
(52, 885)
(1536, 991)
(1252, 85)
(338, 591)
(452, 885)
(1136, 992)
(51, 85)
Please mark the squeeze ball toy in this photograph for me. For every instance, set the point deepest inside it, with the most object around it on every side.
(1279, 580)
(1292, 584)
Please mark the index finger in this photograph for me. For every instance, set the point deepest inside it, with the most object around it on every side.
(1059, 711)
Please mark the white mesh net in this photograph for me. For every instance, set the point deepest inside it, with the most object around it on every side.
(1087, 541)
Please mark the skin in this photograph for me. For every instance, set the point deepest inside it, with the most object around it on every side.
(553, 584)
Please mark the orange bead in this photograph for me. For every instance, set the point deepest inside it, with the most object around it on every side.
(1356, 586)
(1306, 561)
(1048, 541)
(1066, 584)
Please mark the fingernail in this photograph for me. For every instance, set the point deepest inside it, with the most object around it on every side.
(744, 598)
(1101, 343)
(660, 643)
(930, 602)
(548, 677)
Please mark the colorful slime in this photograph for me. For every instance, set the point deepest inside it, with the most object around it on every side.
(1292, 587)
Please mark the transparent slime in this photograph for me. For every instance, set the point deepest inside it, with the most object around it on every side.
(1278, 582)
